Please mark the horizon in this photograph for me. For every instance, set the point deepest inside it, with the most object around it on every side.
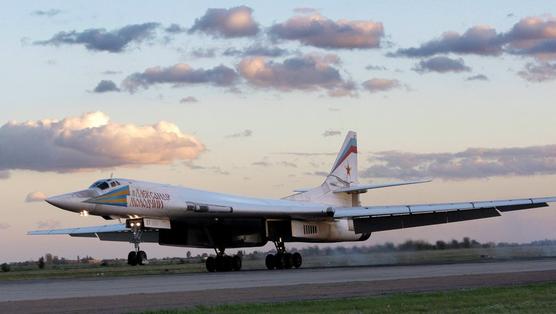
(258, 105)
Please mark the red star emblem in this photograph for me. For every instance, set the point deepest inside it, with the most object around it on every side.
(348, 170)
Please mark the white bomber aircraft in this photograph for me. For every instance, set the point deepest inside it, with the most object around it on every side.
(331, 212)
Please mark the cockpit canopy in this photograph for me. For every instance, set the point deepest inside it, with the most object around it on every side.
(105, 184)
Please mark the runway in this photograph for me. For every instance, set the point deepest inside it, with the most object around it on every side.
(169, 291)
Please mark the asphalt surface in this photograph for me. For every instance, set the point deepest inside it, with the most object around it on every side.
(177, 291)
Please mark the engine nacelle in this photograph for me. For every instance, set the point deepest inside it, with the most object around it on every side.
(325, 231)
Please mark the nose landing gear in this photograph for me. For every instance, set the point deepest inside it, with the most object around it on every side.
(283, 259)
(136, 257)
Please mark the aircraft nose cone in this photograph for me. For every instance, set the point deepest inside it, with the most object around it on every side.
(57, 201)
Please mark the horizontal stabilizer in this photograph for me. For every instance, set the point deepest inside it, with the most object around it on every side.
(362, 188)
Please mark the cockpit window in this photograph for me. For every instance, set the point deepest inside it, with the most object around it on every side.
(103, 186)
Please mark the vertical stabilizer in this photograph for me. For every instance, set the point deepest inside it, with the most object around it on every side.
(342, 175)
(345, 166)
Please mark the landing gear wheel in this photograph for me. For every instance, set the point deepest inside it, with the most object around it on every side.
(297, 260)
(142, 258)
(288, 262)
(210, 263)
(269, 262)
(132, 258)
(236, 262)
(279, 261)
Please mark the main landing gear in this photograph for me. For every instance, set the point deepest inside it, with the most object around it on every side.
(223, 262)
(136, 257)
(282, 259)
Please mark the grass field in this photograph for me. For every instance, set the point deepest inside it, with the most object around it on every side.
(539, 298)
(377, 258)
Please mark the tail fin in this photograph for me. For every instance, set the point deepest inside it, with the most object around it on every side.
(345, 166)
(342, 175)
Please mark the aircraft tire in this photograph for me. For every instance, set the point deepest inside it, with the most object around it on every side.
(236, 263)
(269, 262)
(228, 263)
(288, 261)
(132, 258)
(210, 263)
(141, 258)
(297, 260)
(279, 261)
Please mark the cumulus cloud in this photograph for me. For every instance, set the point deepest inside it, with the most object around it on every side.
(375, 85)
(471, 163)
(36, 196)
(47, 13)
(91, 141)
(180, 74)
(308, 72)
(175, 29)
(99, 39)
(441, 64)
(539, 72)
(531, 36)
(256, 50)
(4, 174)
(188, 99)
(478, 77)
(105, 86)
(227, 23)
(481, 40)
(244, 133)
(4, 226)
(534, 36)
(316, 30)
(329, 133)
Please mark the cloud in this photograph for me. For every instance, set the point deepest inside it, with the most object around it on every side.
(203, 53)
(534, 36)
(308, 72)
(328, 133)
(105, 86)
(262, 163)
(481, 40)
(175, 29)
(441, 64)
(256, 50)
(111, 72)
(318, 31)
(180, 74)
(288, 164)
(4, 226)
(99, 39)
(227, 23)
(371, 67)
(244, 133)
(468, 164)
(531, 36)
(91, 141)
(48, 224)
(188, 99)
(47, 13)
(214, 169)
(317, 173)
(4, 174)
(478, 77)
(35, 197)
(540, 72)
(375, 85)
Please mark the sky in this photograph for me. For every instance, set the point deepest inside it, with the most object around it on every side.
(254, 99)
